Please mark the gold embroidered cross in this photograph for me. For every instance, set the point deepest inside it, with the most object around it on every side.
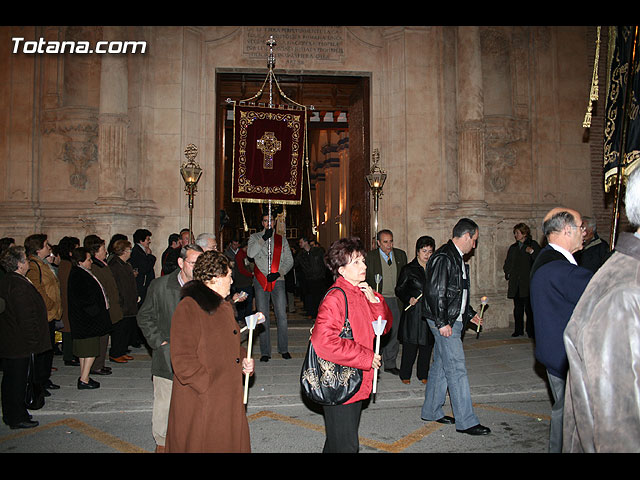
(269, 145)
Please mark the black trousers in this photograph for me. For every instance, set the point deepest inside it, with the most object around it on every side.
(341, 425)
(44, 360)
(409, 353)
(14, 386)
(314, 291)
(67, 347)
(520, 306)
(120, 336)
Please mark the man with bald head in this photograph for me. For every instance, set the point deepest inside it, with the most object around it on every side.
(557, 282)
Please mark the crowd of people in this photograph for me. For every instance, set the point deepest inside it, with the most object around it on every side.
(104, 299)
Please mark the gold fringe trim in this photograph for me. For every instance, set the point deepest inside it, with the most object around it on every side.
(593, 94)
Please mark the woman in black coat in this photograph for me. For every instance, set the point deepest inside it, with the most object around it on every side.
(88, 314)
(414, 333)
(517, 270)
(24, 330)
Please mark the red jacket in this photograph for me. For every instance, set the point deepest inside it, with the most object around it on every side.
(357, 353)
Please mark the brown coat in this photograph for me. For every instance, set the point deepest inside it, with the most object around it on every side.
(206, 412)
(63, 277)
(105, 276)
(47, 285)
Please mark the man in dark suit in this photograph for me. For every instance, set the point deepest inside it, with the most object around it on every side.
(142, 260)
(384, 264)
(169, 258)
(557, 282)
(595, 250)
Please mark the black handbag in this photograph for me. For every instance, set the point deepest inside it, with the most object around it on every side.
(34, 394)
(325, 382)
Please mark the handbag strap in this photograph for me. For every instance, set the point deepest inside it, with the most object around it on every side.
(346, 305)
(347, 325)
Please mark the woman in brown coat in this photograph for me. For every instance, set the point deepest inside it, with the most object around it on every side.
(206, 412)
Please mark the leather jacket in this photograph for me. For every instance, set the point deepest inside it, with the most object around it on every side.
(602, 401)
(442, 294)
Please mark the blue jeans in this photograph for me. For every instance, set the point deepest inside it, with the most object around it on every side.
(279, 298)
(448, 371)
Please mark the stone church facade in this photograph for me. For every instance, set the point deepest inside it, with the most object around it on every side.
(480, 122)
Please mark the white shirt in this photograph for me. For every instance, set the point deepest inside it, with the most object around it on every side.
(564, 252)
(464, 290)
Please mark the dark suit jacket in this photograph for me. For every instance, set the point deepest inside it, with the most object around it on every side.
(374, 265)
(517, 267)
(88, 313)
(24, 328)
(144, 263)
(556, 287)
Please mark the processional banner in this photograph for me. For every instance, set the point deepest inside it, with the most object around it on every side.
(268, 154)
(621, 41)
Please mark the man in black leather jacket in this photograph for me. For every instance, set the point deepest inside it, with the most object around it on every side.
(448, 313)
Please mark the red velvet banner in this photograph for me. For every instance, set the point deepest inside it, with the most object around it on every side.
(268, 154)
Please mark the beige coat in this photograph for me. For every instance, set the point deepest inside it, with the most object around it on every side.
(47, 285)
(206, 412)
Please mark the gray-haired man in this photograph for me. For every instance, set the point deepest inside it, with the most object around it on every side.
(154, 320)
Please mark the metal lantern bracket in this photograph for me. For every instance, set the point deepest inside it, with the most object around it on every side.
(191, 173)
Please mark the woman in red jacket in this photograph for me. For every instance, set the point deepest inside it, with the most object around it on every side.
(345, 259)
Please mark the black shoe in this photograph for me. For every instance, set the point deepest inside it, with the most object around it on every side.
(392, 370)
(446, 420)
(89, 385)
(102, 371)
(515, 334)
(286, 355)
(72, 363)
(46, 392)
(264, 358)
(25, 424)
(476, 430)
(52, 386)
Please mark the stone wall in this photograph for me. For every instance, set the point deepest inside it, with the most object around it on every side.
(484, 122)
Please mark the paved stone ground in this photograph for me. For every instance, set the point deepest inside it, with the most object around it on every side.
(508, 390)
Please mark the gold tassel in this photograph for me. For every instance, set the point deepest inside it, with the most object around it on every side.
(593, 94)
(244, 220)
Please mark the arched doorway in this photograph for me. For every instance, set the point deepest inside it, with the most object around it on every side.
(340, 115)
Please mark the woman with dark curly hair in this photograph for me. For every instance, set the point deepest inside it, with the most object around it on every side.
(345, 259)
(206, 412)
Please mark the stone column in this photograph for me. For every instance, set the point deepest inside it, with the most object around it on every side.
(112, 123)
(470, 115)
